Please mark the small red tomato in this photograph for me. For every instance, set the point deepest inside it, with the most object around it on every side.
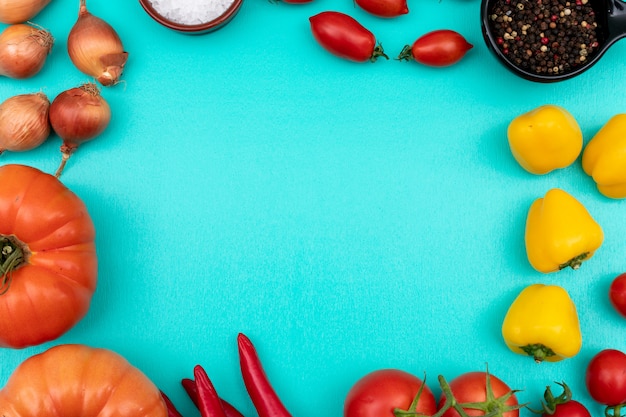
(563, 405)
(606, 377)
(343, 36)
(617, 294)
(379, 393)
(471, 387)
(572, 408)
(439, 48)
(384, 8)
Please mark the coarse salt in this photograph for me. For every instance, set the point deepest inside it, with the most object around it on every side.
(191, 12)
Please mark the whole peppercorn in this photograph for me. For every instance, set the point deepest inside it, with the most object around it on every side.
(548, 34)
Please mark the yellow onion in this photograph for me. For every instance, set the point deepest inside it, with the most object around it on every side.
(95, 48)
(20, 11)
(24, 123)
(23, 50)
(78, 115)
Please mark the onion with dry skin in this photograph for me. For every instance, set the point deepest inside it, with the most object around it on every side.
(23, 50)
(78, 115)
(20, 11)
(95, 48)
(24, 122)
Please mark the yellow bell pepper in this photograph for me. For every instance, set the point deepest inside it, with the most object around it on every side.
(604, 158)
(545, 139)
(560, 232)
(543, 323)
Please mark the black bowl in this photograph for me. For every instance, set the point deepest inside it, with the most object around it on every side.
(610, 16)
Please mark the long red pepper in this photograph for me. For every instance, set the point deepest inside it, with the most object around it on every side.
(171, 409)
(192, 391)
(209, 403)
(262, 394)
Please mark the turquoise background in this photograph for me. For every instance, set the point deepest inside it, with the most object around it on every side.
(346, 217)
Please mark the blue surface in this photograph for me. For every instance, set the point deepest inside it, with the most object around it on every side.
(346, 217)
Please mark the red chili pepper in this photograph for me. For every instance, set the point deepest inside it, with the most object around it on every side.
(192, 391)
(263, 396)
(171, 409)
(208, 401)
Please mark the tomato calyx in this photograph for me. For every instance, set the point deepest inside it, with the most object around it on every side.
(615, 410)
(538, 351)
(551, 402)
(492, 406)
(377, 53)
(575, 262)
(405, 54)
(412, 410)
(12, 256)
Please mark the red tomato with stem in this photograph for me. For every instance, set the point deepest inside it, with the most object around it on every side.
(344, 37)
(563, 405)
(487, 392)
(571, 408)
(384, 8)
(48, 263)
(379, 393)
(617, 294)
(439, 48)
(605, 377)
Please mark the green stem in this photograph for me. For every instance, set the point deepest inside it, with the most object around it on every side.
(11, 257)
(538, 351)
(614, 410)
(405, 54)
(575, 262)
(377, 53)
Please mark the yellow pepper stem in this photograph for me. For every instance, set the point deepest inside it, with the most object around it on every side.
(538, 351)
(575, 262)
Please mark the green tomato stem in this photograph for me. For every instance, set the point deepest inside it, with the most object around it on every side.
(11, 258)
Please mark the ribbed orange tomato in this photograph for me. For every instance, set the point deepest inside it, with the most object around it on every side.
(78, 380)
(48, 262)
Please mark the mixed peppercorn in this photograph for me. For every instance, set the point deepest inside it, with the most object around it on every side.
(545, 36)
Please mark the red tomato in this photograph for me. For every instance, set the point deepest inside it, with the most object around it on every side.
(380, 392)
(471, 387)
(49, 288)
(343, 36)
(617, 294)
(606, 377)
(439, 48)
(76, 380)
(384, 8)
(572, 408)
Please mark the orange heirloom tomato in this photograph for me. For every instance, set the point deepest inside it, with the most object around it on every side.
(48, 264)
(77, 380)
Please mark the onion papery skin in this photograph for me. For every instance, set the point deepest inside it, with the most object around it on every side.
(23, 50)
(24, 122)
(96, 49)
(20, 11)
(79, 114)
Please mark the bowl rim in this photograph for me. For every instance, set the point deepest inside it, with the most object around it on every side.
(211, 25)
